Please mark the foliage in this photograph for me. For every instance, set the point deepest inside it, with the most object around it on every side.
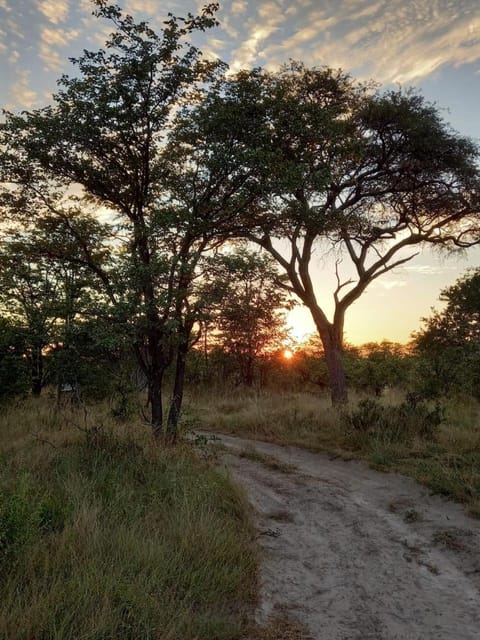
(399, 423)
(341, 167)
(373, 367)
(110, 130)
(249, 316)
(14, 374)
(448, 346)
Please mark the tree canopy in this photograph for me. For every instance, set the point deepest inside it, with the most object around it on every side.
(449, 341)
(346, 170)
(150, 157)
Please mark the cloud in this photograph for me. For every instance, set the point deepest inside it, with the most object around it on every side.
(247, 53)
(260, 28)
(429, 269)
(239, 7)
(54, 10)
(21, 93)
(50, 40)
(58, 38)
(391, 284)
(390, 40)
(13, 57)
(149, 7)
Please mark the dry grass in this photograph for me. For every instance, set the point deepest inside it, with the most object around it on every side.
(446, 458)
(104, 535)
(286, 418)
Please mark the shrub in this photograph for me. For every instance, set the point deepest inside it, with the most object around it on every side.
(401, 423)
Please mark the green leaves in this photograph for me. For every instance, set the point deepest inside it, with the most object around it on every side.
(449, 343)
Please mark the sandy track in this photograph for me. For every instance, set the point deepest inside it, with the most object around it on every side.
(359, 555)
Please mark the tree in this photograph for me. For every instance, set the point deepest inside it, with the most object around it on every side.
(375, 366)
(111, 131)
(250, 313)
(14, 372)
(43, 296)
(343, 170)
(449, 343)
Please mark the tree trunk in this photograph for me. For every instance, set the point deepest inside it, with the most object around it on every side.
(248, 375)
(37, 370)
(177, 397)
(155, 397)
(336, 370)
(331, 336)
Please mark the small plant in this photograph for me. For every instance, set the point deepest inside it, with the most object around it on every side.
(26, 516)
(368, 416)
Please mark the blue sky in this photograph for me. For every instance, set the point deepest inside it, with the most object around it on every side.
(433, 45)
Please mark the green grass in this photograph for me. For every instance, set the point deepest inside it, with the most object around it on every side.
(105, 536)
(444, 457)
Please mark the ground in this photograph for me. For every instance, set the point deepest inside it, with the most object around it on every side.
(354, 554)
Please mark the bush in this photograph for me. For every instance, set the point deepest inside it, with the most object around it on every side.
(401, 423)
(14, 373)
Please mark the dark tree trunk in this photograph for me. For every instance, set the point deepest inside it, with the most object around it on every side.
(37, 370)
(177, 397)
(155, 398)
(248, 375)
(331, 336)
(336, 370)
(155, 368)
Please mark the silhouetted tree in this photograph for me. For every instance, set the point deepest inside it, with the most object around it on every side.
(344, 171)
(449, 343)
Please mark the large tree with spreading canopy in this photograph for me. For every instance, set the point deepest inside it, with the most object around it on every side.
(344, 171)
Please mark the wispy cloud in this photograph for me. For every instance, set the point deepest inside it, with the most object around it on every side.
(55, 11)
(239, 7)
(259, 29)
(52, 39)
(429, 269)
(390, 40)
(392, 284)
(21, 93)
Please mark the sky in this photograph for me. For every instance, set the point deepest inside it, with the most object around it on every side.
(432, 45)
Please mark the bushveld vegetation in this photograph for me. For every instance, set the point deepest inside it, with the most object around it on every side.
(104, 535)
(104, 531)
(438, 444)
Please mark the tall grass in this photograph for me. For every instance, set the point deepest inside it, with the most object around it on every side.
(105, 536)
(437, 445)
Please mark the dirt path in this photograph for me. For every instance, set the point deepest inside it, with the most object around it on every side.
(358, 555)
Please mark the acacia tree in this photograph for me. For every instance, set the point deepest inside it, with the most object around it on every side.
(109, 130)
(344, 171)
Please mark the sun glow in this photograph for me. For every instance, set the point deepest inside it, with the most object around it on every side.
(287, 354)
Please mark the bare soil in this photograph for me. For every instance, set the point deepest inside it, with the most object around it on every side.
(354, 554)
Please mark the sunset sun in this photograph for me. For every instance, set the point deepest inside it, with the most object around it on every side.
(287, 354)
